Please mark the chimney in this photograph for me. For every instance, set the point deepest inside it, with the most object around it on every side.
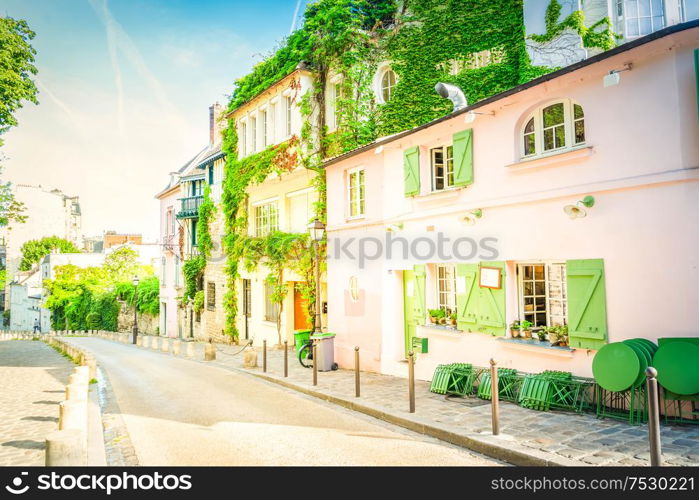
(214, 123)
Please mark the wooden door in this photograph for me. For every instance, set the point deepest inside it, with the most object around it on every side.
(301, 319)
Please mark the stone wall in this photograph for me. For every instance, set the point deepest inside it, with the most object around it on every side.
(213, 319)
(146, 323)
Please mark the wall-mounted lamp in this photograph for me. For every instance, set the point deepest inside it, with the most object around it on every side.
(613, 78)
(471, 217)
(378, 150)
(394, 228)
(577, 211)
(470, 117)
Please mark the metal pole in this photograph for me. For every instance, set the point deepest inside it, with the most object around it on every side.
(317, 327)
(653, 417)
(356, 372)
(411, 381)
(495, 397)
(315, 364)
(135, 316)
(286, 358)
(264, 356)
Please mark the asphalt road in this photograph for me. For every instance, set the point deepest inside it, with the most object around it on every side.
(181, 412)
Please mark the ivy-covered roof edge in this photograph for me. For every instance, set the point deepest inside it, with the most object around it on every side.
(620, 49)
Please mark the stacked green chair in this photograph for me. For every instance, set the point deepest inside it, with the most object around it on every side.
(508, 384)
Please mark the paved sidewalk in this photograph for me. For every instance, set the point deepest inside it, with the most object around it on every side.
(528, 436)
(33, 378)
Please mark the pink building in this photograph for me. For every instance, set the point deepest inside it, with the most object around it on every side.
(170, 265)
(573, 200)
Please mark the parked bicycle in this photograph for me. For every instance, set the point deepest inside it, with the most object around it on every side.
(306, 355)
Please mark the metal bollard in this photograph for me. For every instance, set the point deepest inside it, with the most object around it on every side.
(315, 365)
(356, 372)
(495, 397)
(653, 417)
(264, 356)
(286, 358)
(411, 380)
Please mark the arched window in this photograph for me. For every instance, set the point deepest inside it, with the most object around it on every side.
(388, 81)
(553, 127)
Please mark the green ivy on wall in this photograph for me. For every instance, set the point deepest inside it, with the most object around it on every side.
(592, 36)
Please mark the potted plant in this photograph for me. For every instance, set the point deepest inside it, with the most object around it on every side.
(526, 328)
(452, 319)
(514, 329)
(552, 334)
(563, 335)
(542, 333)
(437, 316)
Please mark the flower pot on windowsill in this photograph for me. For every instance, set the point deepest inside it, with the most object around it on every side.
(527, 334)
(433, 320)
(514, 332)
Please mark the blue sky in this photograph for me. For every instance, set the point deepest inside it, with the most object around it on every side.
(125, 87)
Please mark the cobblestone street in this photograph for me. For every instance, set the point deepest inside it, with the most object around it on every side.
(582, 439)
(33, 377)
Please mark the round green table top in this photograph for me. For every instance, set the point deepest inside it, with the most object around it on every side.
(644, 359)
(650, 345)
(616, 367)
(678, 367)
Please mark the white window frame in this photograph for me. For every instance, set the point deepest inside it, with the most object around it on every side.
(266, 218)
(288, 108)
(264, 123)
(253, 134)
(568, 127)
(242, 138)
(449, 277)
(360, 203)
(622, 18)
(273, 122)
(547, 293)
(445, 159)
(267, 292)
(391, 88)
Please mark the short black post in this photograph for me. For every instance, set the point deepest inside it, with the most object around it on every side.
(411, 380)
(653, 417)
(264, 356)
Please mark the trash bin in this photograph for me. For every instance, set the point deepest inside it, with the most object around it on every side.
(325, 352)
(301, 337)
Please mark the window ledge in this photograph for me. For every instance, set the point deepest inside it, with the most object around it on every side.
(551, 159)
(443, 194)
(537, 346)
(443, 330)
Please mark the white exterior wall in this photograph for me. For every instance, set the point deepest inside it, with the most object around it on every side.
(171, 279)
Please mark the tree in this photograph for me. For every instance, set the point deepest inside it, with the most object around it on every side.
(35, 250)
(122, 265)
(16, 69)
(16, 86)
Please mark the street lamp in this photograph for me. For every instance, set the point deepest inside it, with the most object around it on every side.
(135, 310)
(317, 229)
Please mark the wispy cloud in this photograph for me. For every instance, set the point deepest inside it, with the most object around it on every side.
(119, 41)
(296, 16)
(43, 89)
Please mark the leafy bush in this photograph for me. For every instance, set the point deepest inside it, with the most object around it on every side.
(35, 250)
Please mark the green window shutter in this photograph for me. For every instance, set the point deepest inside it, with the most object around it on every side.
(411, 171)
(419, 309)
(466, 296)
(491, 304)
(587, 303)
(463, 158)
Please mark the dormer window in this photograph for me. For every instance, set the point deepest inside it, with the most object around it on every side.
(384, 84)
(553, 127)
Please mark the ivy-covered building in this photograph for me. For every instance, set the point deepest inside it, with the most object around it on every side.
(564, 206)
(191, 267)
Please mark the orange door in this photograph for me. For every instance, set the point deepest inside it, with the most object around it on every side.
(301, 319)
